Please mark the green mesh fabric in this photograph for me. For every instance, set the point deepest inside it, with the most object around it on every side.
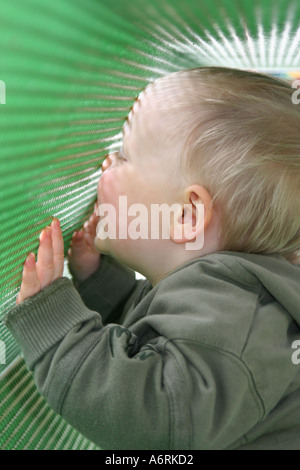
(69, 73)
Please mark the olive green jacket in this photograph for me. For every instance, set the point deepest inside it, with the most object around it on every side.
(206, 359)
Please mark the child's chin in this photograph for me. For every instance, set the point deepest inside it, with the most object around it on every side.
(102, 246)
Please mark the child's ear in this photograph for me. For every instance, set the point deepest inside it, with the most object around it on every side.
(192, 216)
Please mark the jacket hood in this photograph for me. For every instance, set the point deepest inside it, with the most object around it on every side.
(278, 276)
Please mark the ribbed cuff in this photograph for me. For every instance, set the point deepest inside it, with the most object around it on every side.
(41, 321)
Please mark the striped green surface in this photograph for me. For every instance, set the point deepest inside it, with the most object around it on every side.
(71, 70)
(27, 423)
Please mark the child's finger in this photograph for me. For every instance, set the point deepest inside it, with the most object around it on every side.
(30, 282)
(78, 237)
(95, 225)
(90, 231)
(91, 224)
(78, 243)
(89, 239)
(88, 226)
(95, 218)
(58, 249)
(45, 261)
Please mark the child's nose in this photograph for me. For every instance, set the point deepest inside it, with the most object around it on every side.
(107, 162)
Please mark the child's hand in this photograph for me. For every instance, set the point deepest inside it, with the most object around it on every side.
(84, 258)
(49, 265)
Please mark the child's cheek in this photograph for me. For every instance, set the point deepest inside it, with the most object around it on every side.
(108, 187)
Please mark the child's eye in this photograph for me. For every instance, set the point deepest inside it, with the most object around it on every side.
(121, 156)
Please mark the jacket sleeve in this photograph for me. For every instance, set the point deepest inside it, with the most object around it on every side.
(134, 387)
(89, 373)
(108, 289)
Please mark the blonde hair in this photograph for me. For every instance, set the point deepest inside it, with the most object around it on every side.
(242, 142)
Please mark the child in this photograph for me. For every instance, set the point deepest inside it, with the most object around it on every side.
(201, 354)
